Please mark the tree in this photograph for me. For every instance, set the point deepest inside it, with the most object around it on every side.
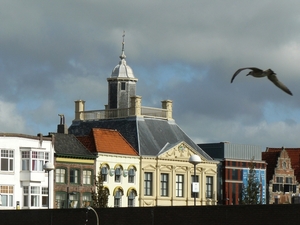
(251, 191)
(99, 193)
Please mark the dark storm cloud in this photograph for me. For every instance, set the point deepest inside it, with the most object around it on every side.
(55, 52)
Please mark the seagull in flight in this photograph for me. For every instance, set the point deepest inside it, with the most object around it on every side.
(258, 73)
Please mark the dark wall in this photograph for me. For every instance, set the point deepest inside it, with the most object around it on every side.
(185, 215)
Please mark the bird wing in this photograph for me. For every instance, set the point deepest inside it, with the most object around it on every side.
(274, 79)
(245, 68)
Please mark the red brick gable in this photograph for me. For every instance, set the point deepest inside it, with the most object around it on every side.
(107, 141)
(271, 156)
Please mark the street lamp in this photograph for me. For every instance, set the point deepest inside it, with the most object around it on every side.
(90, 208)
(195, 159)
(48, 167)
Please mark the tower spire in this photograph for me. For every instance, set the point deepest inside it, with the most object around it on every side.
(123, 56)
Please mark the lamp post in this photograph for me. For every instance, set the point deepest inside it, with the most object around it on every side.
(48, 167)
(194, 159)
(90, 208)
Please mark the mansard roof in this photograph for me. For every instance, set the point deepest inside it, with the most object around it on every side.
(107, 141)
(147, 136)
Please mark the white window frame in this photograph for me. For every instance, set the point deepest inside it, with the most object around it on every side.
(7, 195)
(148, 183)
(34, 196)
(87, 177)
(209, 186)
(164, 184)
(60, 175)
(7, 160)
(179, 185)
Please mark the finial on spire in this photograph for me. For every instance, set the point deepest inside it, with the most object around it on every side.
(123, 56)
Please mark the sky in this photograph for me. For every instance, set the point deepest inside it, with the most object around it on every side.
(53, 53)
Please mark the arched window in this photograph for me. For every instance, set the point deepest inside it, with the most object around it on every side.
(104, 173)
(118, 174)
(131, 175)
(118, 193)
(131, 198)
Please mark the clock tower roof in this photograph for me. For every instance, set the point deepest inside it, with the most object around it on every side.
(122, 70)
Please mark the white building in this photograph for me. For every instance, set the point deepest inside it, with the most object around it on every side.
(118, 163)
(23, 181)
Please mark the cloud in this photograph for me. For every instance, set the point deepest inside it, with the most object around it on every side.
(55, 52)
(10, 119)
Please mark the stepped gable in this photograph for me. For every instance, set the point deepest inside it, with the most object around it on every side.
(271, 156)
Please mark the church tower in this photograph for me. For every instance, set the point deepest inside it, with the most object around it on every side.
(121, 84)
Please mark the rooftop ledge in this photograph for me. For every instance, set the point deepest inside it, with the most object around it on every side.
(119, 113)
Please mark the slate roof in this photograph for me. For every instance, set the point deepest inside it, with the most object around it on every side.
(67, 145)
(146, 135)
(271, 156)
(107, 141)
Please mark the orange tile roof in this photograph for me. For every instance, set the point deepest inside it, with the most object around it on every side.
(107, 141)
(271, 156)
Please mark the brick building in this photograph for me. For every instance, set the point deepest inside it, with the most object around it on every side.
(283, 175)
(233, 169)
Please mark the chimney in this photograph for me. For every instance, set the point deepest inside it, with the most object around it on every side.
(62, 127)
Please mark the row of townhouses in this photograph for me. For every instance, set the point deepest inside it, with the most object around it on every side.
(144, 157)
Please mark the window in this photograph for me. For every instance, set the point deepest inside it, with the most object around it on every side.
(7, 195)
(25, 196)
(131, 198)
(25, 160)
(86, 199)
(73, 200)
(123, 86)
(118, 173)
(209, 186)
(74, 176)
(38, 160)
(104, 172)
(289, 188)
(284, 165)
(87, 177)
(118, 198)
(277, 187)
(288, 180)
(61, 199)
(147, 184)
(131, 175)
(194, 194)
(234, 174)
(7, 160)
(164, 184)
(279, 179)
(35, 196)
(60, 175)
(179, 185)
(44, 196)
(34, 160)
